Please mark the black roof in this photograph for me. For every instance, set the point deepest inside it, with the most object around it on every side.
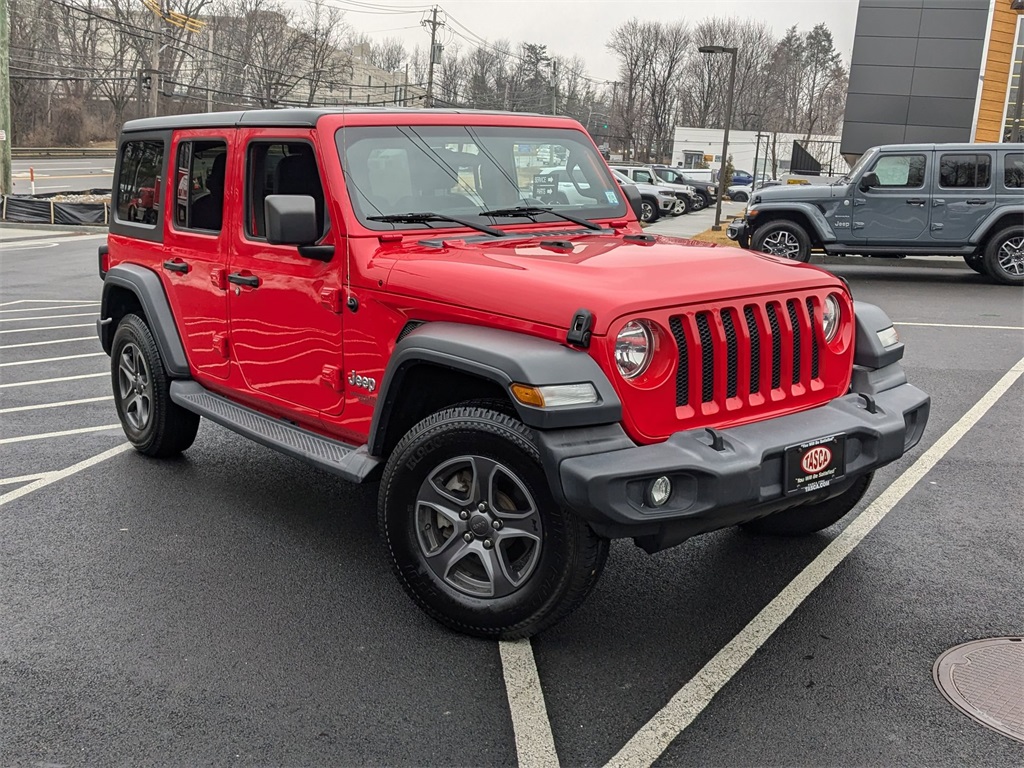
(277, 118)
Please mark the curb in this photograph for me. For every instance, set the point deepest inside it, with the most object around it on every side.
(70, 228)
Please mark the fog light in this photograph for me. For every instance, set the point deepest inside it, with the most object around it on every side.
(658, 491)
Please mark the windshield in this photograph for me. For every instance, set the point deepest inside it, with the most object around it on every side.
(858, 167)
(466, 171)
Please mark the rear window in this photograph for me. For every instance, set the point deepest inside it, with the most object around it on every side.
(139, 182)
(965, 171)
(1013, 171)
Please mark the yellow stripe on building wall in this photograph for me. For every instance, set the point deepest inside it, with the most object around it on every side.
(997, 72)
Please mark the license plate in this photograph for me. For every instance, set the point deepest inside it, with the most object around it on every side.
(815, 464)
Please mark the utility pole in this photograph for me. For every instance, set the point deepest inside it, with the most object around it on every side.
(554, 86)
(154, 65)
(5, 100)
(723, 183)
(209, 69)
(435, 53)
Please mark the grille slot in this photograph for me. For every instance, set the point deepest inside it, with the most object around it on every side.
(794, 319)
(683, 371)
(755, 349)
(707, 354)
(773, 322)
(814, 340)
(731, 352)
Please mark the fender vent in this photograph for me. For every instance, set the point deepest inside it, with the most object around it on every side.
(411, 326)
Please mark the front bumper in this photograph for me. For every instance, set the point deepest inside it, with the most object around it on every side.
(740, 232)
(741, 481)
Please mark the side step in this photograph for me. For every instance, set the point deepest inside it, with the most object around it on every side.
(353, 464)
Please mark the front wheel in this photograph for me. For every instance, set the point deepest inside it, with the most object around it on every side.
(811, 518)
(785, 239)
(682, 207)
(472, 530)
(1004, 256)
(648, 211)
(739, 197)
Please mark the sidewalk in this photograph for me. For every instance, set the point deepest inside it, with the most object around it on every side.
(21, 232)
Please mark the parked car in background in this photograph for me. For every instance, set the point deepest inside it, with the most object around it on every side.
(655, 201)
(646, 174)
(701, 179)
(930, 199)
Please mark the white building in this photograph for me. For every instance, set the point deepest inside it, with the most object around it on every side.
(702, 147)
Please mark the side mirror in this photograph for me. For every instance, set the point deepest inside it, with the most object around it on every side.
(291, 219)
(869, 180)
(633, 198)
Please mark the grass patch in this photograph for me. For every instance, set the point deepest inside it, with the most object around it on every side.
(718, 238)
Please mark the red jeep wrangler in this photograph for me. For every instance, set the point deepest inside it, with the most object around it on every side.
(378, 293)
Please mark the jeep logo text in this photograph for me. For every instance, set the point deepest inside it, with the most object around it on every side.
(365, 382)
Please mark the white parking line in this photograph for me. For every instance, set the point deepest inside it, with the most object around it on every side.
(535, 746)
(65, 433)
(956, 325)
(53, 477)
(47, 301)
(48, 328)
(67, 306)
(24, 478)
(53, 381)
(52, 359)
(46, 317)
(56, 405)
(54, 341)
(654, 738)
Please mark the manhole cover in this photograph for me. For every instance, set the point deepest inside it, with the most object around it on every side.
(985, 680)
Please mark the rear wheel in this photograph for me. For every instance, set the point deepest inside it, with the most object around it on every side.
(681, 208)
(473, 533)
(740, 197)
(800, 521)
(152, 422)
(1004, 256)
(783, 238)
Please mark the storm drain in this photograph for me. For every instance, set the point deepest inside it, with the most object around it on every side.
(985, 680)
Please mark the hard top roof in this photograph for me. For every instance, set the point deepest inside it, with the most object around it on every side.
(959, 147)
(284, 118)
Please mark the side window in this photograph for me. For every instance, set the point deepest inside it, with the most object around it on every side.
(1013, 171)
(199, 185)
(901, 171)
(644, 177)
(965, 171)
(138, 184)
(280, 168)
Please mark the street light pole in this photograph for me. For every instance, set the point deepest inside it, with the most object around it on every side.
(717, 49)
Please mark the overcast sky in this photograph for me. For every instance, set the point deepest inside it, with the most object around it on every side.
(583, 27)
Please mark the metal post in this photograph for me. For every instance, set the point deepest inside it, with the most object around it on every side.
(209, 70)
(433, 24)
(722, 183)
(757, 148)
(154, 66)
(554, 87)
(6, 184)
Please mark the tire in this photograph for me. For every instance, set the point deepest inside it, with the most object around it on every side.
(681, 208)
(739, 197)
(648, 211)
(705, 201)
(811, 518)
(1004, 256)
(540, 565)
(153, 424)
(783, 238)
(975, 262)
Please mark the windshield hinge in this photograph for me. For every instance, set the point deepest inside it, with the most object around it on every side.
(579, 330)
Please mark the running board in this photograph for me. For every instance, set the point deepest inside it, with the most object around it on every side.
(352, 463)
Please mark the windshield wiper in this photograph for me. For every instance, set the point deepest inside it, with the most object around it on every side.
(426, 217)
(531, 211)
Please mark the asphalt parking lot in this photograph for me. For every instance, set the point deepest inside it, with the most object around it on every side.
(234, 606)
(60, 174)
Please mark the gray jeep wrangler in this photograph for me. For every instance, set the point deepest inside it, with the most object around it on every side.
(923, 199)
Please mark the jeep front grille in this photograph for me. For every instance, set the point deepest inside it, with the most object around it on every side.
(765, 350)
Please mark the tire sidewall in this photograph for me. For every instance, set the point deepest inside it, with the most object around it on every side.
(447, 439)
(132, 330)
(990, 261)
(652, 216)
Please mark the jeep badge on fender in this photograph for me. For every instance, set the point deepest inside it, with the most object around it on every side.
(510, 434)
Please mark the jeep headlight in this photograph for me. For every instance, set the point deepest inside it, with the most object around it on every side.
(634, 347)
(830, 316)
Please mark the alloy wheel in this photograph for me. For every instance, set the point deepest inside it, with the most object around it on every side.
(478, 526)
(135, 386)
(782, 243)
(1011, 256)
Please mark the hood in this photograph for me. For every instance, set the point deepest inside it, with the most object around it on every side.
(605, 273)
(790, 192)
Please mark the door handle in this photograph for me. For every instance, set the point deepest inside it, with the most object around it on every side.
(916, 201)
(977, 201)
(239, 279)
(177, 265)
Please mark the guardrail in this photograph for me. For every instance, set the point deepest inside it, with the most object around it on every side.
(22, 153)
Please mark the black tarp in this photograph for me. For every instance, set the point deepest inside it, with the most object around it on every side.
(42, 209)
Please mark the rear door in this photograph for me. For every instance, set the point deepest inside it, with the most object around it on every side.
(964, 194)
(285, 309)
(896, 211)
(196, 245)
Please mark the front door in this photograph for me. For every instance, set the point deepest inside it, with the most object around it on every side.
(195, 246)
(285, 309)
(895, 211)
(964, 195)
